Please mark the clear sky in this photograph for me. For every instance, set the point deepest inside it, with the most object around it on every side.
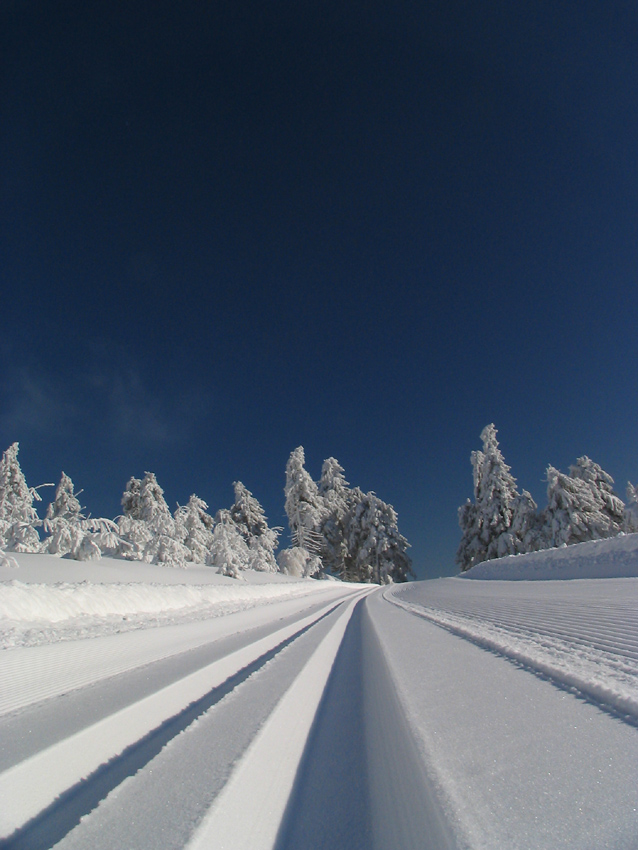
(228, 229)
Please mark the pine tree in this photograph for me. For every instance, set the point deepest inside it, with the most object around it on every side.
(71, 532)
(195, 528)
(610, 505)
(248, 515)
(18, 518)
(630, 517)
(303, 506)
(376, 550)
(572, 514)
(229, 551)
(148, 531)
(501, 521)
(337, 500)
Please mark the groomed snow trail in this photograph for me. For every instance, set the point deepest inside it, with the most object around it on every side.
(582, 634)
(32, 785)
(342, 721)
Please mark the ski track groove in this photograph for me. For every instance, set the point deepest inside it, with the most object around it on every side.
(30, 814)
(585, 645)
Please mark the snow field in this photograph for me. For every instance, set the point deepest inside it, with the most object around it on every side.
(32, 785)
(582, 634)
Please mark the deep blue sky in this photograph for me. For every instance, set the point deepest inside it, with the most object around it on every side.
(228, 229)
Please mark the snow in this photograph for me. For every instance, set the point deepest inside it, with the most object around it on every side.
(48, 598)
(455, 713)
(615, 557)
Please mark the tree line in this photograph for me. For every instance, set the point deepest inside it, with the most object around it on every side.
(335, 530)
(581, 505)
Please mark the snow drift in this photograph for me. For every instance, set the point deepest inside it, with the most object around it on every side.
(615, 557)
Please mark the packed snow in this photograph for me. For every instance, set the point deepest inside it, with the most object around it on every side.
(615, 557)
(44, 598)
(455, 714)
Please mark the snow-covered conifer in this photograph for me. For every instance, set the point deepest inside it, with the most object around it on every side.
(229, 551)
(581, 506)
(630, 519)
(500, 515)
(376, 549)
(195, 529)
(611, 505)
(147, 529)
(18, 518)
(248, 515)
(573, 513)
(527, 524)
(337, 500)
(303, 506)
(299, 562)
(73, 534)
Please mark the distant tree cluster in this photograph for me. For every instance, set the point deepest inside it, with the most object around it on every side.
(235, 539)
(338, 530)
(334, 529)
(501, 521)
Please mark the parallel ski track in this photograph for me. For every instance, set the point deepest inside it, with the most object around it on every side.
(36, 792)
(587, 643)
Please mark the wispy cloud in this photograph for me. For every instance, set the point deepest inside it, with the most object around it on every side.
(114, 403)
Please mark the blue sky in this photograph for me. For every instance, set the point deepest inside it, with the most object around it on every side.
(227, 230)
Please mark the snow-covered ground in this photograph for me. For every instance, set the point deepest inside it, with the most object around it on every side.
(46, 599)
(144, 707)
(615, 557)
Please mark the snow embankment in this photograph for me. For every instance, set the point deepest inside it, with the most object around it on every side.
(616, 557)
(37, 604)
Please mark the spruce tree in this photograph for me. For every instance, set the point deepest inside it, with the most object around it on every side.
(630, 516)
(18, 518)
(195, 529)
(303, 506)
(73, 534)
(147, 529)
(376, 549)
(501, 521)
(248, 515)
(337, 500)
(581, 506)
(229, 552)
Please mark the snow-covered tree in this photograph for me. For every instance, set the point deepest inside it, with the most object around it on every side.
(71, 532)
(376, 550)
(248, 515)
(299, 562)
(611, 506)
(229, 551)
(527, 524)
(576, 511)
(304, 507)
(148, 531)
(630, 518)
(337, 500)
(195, 528)
(500, 517)
(18, 518)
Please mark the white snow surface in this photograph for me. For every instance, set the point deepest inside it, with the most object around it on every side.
(48, 599)
(615, 557)
(440, 715)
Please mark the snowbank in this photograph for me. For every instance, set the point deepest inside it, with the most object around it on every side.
(616, 557)
(47, 599)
